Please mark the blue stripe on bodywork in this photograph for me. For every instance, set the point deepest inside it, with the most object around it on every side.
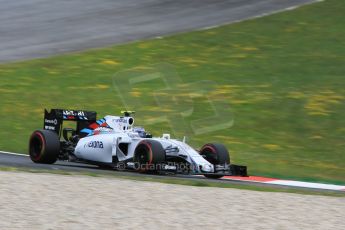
(88, 131)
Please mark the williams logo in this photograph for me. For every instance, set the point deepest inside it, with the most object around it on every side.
(53, 122)
(94, 144)
(73, 113)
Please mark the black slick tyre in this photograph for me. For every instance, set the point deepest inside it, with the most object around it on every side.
(149, 156)
(216, 154)
(44, 146)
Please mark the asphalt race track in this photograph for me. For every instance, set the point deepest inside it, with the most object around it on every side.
(39, 28)
(24, 162)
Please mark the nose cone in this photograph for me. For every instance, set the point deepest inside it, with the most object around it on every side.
(207, 168)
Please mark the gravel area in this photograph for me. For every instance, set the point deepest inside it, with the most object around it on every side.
(49, 201)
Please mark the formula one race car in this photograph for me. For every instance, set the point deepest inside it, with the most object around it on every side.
(114, 142)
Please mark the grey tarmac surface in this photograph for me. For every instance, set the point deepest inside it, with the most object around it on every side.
(24, 162)
(39, 28)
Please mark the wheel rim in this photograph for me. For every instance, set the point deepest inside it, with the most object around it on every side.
(36, 146)
(210, 154)
(143, 155)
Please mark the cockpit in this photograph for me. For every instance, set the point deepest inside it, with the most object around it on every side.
(141, 131)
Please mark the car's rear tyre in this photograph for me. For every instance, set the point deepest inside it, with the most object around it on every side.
(149, 156)
(44, 146)
(216, 154)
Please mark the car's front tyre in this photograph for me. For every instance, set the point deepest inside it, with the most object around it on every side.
(216, 154)
(149, 155)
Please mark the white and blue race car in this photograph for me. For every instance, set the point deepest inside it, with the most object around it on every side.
(114, 141)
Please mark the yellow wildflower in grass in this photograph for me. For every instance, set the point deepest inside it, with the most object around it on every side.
(190, 60)
(153, 120)
(135, 93)
(7, 91)
(98, 86)
(291, 29)
(238, 101)
(234, 142)
(238, 94)
(221, 92)
(110, 62)
(250, 48)
(320, 104)
(230, 86)
(228, 64)
(161, 94)
(151, 108)
(341, 129)
(260, 96)
(190, 95)
(211, 32)
(326, 165)
(264, 85)
(228, 140)
(225, 90)
(238, 56)
(101, 86)
(38, 111)
(303, 23)
(141, 67)
(209, 50)
(193, 65)
(143, 45)
(296, 95)
(236, 45)
(271, 146)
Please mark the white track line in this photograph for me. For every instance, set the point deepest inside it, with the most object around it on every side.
(16, 154)
(290, 183)
(260, 15)
(308, 185)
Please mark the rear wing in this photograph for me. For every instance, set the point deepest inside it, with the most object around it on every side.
(53, 120)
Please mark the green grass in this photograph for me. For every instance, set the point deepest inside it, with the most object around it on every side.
(278, 89)
(178, 181)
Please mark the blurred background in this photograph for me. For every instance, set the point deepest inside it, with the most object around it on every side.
(270, 88)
